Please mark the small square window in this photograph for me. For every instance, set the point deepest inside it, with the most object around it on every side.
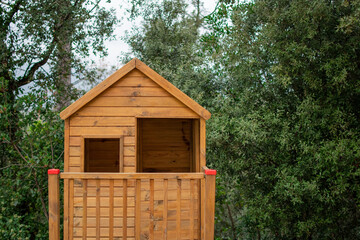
(103, 154)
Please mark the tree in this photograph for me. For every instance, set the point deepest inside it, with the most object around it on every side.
(285, 133)
(168, 41)
(41, 43)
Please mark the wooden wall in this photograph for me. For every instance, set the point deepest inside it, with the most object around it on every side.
(114, 112)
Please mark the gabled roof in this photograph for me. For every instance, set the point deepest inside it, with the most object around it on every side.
(135, 63)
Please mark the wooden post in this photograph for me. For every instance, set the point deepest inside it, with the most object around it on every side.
(210, 176)
(54, 204)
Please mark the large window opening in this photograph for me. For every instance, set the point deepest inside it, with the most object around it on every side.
(103, 155)
(166, 145)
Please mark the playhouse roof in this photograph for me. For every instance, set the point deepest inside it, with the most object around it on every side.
(135, 63)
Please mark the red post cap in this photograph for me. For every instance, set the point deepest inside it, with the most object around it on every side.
(210, 172)
(54, 171)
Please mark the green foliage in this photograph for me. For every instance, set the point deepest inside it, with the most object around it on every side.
(281, 81)
(287, 127)
(168, 41)
(41, 43)
(24, 163)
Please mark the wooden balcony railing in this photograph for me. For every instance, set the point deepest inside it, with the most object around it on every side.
(137, 205)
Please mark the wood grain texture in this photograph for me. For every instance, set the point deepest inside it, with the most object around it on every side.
(98, 210)
(98, 89)
(138, 209)
(71, 209)
(84, 208)
(136, 102)
(202, 143)
(135, 92)
(66, 208)
(153, 112)
(66, 144)
(124, 227)
(192, 192)
(131, 175)
(151, 225)
(202, 208)
(80, 131)
(209, 206)
(115, 208)
(173, 90)
(165, 210)
(126, 82)
(178, 207)
(102, 122)
(54, 207)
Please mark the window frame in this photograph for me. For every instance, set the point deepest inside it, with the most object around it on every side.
(121, 149)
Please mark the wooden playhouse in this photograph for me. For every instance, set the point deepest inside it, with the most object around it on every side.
(134, 162)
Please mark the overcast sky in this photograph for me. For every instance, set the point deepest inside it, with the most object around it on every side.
(117, 47)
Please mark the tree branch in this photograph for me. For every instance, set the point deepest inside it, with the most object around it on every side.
(15, 9)
(28, 77)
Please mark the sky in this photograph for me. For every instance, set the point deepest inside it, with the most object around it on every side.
(118, 47)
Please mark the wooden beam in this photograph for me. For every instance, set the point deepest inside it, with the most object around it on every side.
(97, 209)
(66, 144)
(124, 227)
(202, 143)
(54, 204)
(165, 216)
(111, 210)
(209, 203)
(74, 175)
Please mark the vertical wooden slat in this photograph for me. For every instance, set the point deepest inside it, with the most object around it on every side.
(198, 203)
(191, 209)
(202, 208)
(124, 209)
(82, 154)
(84, 227)
(71, 209)
(139, 145)
(66, 209)
(191, 149)
(66, 181)
(151, 226)
(138, 209)
(196, 144)
(178, 210)
(202, 143)
(54, 205)
(85, 163)
(97, 209)
(121, 154)
(165, 208)
(111, 210)
(66, 144)
(209, 206)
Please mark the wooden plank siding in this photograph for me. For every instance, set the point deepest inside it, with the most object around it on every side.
(134, 208)
(114, 112)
